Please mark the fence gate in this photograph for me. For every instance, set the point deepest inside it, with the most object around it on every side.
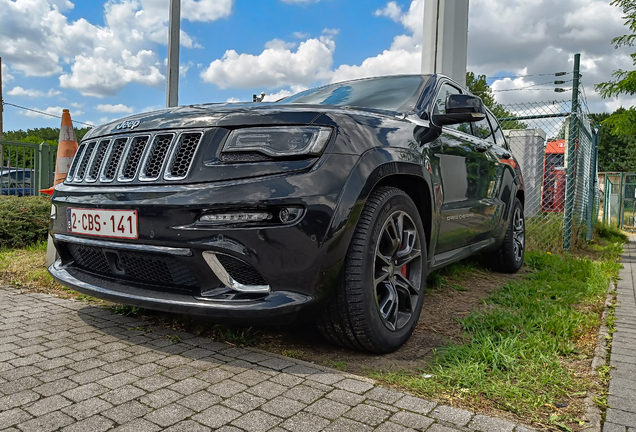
(26, 168)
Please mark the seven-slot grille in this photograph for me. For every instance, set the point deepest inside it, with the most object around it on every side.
(141, 157)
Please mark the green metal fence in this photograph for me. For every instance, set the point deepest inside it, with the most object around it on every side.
(557, 148)
(619, 200)
(26, 168)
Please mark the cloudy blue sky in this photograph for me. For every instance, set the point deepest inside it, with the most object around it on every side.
(104, 60)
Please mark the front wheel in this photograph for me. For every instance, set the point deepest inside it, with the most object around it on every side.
(379, 302)
(509, 258)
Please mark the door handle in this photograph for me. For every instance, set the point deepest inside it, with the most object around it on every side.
(506, 155)
(481, 148)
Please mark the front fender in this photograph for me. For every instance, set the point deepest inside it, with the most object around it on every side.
(374, 167)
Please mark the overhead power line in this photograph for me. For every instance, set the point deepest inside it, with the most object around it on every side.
(533, 85)
(556, 74)
(44, 113)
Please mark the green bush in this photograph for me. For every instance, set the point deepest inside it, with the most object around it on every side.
(23, 220)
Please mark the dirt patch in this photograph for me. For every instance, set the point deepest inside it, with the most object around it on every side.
(437, 327)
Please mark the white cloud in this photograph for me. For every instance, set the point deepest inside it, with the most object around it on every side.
(37, 39)
(301, 35)
(278, 44)
(101, 77)
(391, 10)
(31, 93)
(233, 100)
(184, 68)
(276, 66)
(205, 10)
(56, 111)
(6, 76)
(119, 108)
(76, 105)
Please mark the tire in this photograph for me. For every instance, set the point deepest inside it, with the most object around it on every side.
(509, 257)
(380, 299)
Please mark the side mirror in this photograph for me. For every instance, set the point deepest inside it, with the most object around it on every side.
(461, 108)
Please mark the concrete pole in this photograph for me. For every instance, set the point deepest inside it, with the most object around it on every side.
(445, 41)
(1, 108)
(1, 114)
(174, 28)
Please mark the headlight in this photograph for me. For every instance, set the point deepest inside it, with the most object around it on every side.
(279, 140)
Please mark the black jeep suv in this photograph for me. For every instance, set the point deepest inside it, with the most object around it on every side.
(332, 205)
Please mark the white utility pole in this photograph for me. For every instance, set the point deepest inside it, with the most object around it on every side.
(445, 44)
(174, 28)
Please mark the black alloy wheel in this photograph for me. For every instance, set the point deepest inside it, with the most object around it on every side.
(509, 257)
(398, 271)
(379, 302)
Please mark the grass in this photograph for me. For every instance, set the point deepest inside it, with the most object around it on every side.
(447, 276)
(26, 268)
(296, 354)
(529, 344)
(338, 364)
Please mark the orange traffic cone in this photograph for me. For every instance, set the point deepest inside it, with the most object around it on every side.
(66, 149)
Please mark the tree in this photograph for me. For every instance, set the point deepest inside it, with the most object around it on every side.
(624, 82)
(615, 152)
(37, 135)
(479, 87)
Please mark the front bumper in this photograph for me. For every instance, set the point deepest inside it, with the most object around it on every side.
(276, 308)
(279, 270)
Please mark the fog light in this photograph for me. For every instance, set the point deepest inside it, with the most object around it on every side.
(238, 217)
(290, 214)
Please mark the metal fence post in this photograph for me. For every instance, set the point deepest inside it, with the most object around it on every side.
(619, 219)
(593, 183)
(570, 190)
(43, 167)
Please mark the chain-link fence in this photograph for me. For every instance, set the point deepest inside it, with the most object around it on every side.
(556, 148)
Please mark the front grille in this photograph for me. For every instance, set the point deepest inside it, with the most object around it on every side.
(240, 271)
(135, 266)
(186, 147)
(89, 258)
(137, 148)
(138, 157)
(86, 156)
(114, 158)
(97, 162)
(157, 157)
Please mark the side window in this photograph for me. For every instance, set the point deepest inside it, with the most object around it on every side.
(496, 128)
(440, 102)
(481, 129)
(440, 106)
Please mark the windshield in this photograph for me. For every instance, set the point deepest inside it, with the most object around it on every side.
(393, 93)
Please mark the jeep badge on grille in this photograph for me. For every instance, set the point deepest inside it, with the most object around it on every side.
(128, 124)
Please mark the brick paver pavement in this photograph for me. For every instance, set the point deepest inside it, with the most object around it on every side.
(68, 366)
(621, 414)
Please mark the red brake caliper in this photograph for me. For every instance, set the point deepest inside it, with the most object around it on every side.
(403, 270)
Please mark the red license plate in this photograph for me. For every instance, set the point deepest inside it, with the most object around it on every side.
(103, 223)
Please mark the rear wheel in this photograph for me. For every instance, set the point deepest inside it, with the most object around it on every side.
(379, 302)
(509, 258)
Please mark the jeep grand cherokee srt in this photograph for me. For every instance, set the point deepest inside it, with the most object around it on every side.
(333, 205)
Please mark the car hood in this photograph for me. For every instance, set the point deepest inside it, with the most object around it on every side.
(223, 115)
